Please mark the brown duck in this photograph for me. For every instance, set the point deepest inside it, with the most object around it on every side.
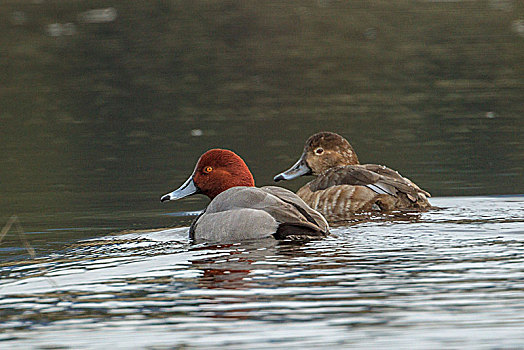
(343, 187)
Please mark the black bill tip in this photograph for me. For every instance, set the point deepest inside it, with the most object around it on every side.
(278, 178)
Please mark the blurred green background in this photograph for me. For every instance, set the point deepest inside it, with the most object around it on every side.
(106, 105)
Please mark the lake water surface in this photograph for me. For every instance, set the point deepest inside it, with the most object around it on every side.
(105, 106)
(450, 278)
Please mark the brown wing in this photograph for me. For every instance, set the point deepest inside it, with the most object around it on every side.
(385, 171)
(381, 181)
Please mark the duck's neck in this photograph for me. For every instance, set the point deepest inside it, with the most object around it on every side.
(349, 156)
(239, 178)
(244, 178)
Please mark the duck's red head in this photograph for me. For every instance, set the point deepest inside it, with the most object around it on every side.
(216, 171)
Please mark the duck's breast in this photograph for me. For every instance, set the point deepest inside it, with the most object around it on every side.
(234, 215)
(234, 225)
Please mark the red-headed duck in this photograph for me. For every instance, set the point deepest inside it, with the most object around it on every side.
(344, 187)
(240, 211)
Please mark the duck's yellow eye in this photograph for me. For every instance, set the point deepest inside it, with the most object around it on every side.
(319, 150)
(208, 169)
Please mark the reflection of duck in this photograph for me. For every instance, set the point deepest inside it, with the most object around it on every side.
(344, 187)
(227, 266)
(241, 266)
(240, 211)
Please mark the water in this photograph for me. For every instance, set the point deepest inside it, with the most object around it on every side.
(105, 107)
(453, 277)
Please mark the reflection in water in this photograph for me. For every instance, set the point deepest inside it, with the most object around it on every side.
(444, 279)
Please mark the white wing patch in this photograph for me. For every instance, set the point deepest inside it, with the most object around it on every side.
(376, 187)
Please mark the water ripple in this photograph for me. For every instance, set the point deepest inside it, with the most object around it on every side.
(442, 281)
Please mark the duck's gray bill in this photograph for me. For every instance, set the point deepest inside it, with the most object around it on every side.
(300, 168)
(188, 188)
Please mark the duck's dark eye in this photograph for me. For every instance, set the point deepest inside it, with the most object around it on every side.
(319, 150)
(208, 169)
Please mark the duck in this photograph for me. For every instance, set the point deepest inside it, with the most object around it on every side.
(343, 187)
(238, 210)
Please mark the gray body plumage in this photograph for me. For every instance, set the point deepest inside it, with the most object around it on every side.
(244, 213)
